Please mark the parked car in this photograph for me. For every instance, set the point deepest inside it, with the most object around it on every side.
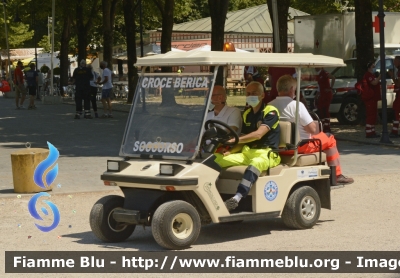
(346, 104)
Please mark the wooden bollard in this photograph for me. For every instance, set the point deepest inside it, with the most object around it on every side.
(24, 163)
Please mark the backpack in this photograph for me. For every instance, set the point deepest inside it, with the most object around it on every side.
(5, 86)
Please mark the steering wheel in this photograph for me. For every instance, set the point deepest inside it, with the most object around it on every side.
(223, 134)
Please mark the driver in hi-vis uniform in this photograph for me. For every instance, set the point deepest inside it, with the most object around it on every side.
(261, 134)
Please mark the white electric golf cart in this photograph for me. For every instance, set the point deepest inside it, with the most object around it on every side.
(167, 172)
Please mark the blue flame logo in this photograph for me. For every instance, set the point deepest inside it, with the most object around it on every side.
(44, 165)
(38, 179)
(35, 214)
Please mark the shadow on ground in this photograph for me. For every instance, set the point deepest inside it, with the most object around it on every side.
(142, 239)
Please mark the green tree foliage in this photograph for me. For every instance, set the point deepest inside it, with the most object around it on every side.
(45, 44)
(331, 6)
(18, 34)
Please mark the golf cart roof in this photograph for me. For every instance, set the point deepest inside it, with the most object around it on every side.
(214, 58)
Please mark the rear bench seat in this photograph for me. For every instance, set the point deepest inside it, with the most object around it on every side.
(286, 137)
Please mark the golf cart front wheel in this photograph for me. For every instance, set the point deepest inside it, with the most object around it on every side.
(103, 223)
(176, 225)
(302, 208)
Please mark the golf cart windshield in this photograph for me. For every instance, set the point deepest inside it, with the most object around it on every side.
(167, 116)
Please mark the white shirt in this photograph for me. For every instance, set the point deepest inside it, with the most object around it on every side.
(108, 84)
(40, 79)
(229, 115)
(287, 112)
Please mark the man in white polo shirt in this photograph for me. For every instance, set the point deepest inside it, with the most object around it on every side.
(223, 113)
(107, 90)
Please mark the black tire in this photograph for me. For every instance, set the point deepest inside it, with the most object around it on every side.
(169, 222)
(103, 224)
(302, 208)
(350, 112)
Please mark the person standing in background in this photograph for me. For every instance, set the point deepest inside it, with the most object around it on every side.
(81, 78)
(93, 89)
(32, 80)
(20, 90)
(40, 82)
(106, 91)
(396, 104)
(324, 97)
(371, 94)
(274, 74)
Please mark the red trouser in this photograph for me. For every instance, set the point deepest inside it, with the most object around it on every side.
(371, 107)
(396, 109)
(328, 147)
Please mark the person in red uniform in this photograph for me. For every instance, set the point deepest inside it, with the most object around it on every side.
(371, 94)
(274, 74)
(324, 97)
(396, 103)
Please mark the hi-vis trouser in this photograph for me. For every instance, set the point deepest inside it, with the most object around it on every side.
(257, 160)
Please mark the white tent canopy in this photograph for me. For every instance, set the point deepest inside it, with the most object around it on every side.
(206, 58)
(148, 50)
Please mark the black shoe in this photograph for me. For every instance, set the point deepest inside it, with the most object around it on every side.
(88, 117)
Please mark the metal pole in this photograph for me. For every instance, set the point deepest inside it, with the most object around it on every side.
(141, 27)
(34, 41)
(53, 11)
(277, 43)
(381, 15)
(8, 48)
(48, 28)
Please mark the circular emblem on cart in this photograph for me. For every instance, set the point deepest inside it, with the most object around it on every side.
(271, 191)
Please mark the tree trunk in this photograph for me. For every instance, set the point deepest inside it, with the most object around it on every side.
(167, 12)
(81, 34)
(218, 11)
(108, 7)
(364, 36)
(64, 62)
(129, 18)
(167, 25)
(82, 28)
(283, 12)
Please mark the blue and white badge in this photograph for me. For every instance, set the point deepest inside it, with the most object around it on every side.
(271, 191)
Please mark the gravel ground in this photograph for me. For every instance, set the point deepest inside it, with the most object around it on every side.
(364, 217)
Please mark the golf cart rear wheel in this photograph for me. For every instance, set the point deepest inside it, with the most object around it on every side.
(302, 208)
(102, 221)
(176, 225)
